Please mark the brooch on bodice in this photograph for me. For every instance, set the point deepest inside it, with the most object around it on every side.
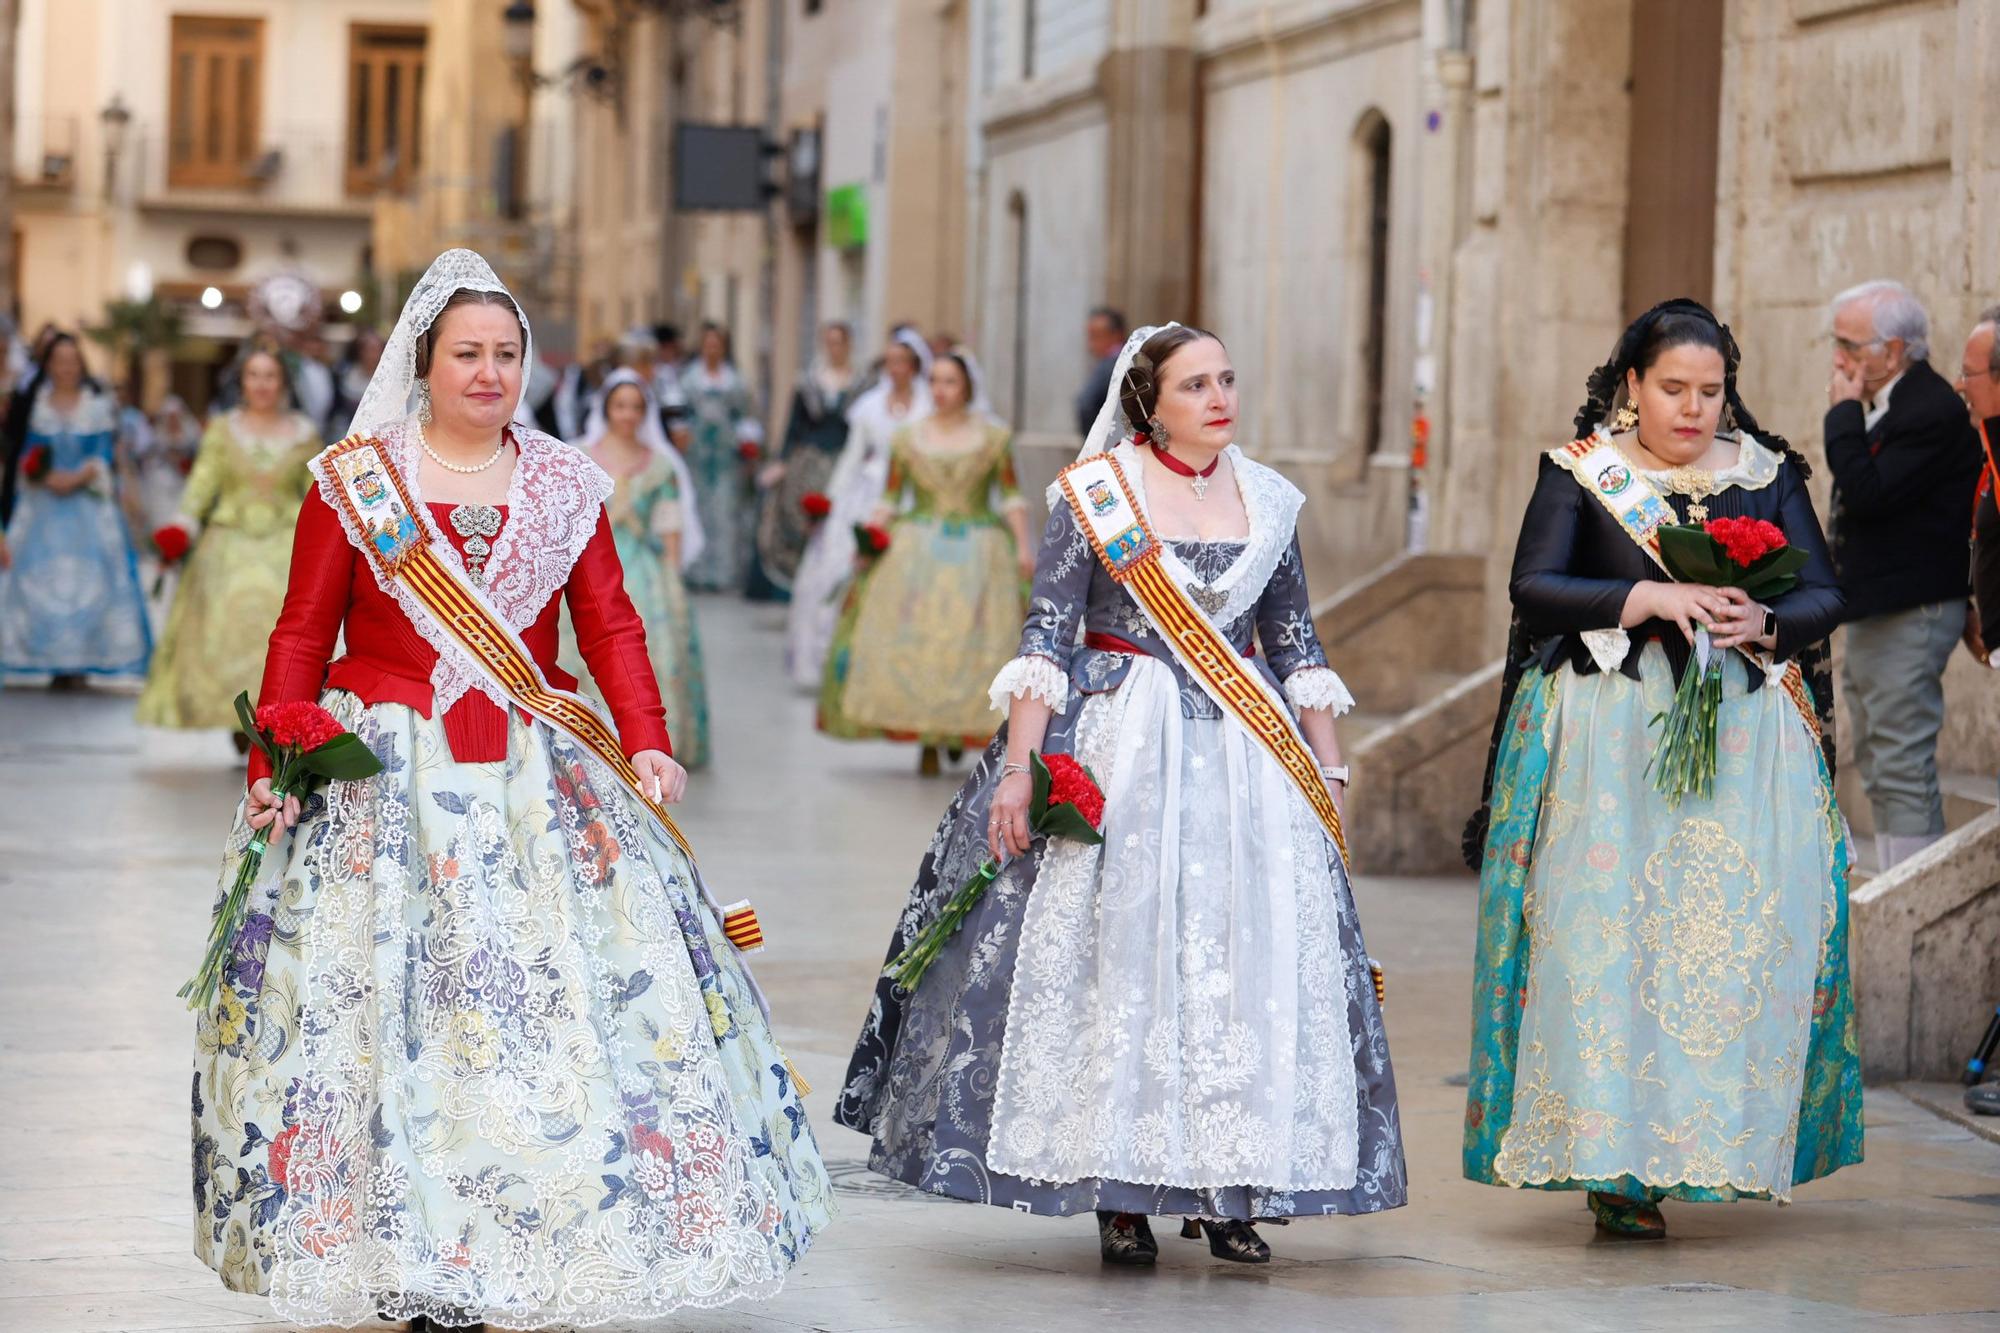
(1207, 598)
(478, 524)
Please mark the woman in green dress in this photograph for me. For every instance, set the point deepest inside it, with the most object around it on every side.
(940, 611)
(1661, 1005)
(658, 535)
(237, 513)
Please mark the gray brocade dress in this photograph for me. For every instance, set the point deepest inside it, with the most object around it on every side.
(1182, 1021)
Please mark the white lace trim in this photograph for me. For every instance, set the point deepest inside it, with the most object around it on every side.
(1158, 1056)
(1608, 647)
(553, 502)
(1031, 677)
(1318, 687)
(1272, 505)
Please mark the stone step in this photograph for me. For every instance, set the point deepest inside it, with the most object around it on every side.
(1967, 796)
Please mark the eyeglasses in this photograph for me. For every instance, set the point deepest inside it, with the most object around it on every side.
(1967, 374)
(1854, 348)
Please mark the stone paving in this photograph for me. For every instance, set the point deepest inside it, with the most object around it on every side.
(109, 845)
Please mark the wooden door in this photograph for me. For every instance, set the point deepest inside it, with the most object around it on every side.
(1676, 114)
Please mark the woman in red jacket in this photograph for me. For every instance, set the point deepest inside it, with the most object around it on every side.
(485, 1050)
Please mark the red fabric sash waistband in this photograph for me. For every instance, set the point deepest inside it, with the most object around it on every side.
(1111, 643)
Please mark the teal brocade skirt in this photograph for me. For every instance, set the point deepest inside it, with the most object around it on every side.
(1661, 1002)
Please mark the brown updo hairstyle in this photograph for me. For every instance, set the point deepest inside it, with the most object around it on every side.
(464, 296)
(1139, 392)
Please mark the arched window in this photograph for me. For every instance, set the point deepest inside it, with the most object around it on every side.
(1372, 145)
(1017, 219)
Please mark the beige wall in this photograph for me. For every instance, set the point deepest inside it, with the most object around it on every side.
(1821, 190)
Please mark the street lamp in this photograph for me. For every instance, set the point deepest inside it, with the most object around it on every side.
(211, 298)
(116, 118)
(350, 302)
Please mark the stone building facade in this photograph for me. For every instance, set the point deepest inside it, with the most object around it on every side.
(1419, 224)
(164, 148)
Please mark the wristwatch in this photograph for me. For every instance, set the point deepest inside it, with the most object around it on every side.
(1334, 773)
(1770, 623)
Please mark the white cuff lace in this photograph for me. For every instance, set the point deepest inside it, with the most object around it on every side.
(1031, 678)
(1608, 647)
(1318, 687)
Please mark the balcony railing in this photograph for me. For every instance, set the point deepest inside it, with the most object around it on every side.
(48, 151)
(292, 172)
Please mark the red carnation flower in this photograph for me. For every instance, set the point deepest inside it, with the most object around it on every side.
(1746, 540)
(816, 505)
(299, 725)
(872, 538)
(35, 464)
(749, 451)
(171, 542)
(1070, 784)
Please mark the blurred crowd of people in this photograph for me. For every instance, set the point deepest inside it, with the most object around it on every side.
(151, 545)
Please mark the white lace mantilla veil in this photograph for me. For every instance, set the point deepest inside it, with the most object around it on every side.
(654, 436)
(1110, 427)
(387, 401)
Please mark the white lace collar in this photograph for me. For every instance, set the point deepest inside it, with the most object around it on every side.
(1756, 465)
(553, 503)
(1272, 505)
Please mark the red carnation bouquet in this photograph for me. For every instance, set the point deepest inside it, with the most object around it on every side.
(870, 539)
(1746, 553)
(816, 505)
(37, 463)
(1065, 803)
(307, 747)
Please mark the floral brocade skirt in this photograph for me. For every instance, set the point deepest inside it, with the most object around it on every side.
(1661, 1005)
(922, 635)
(485, 1052)
(1178, 1022)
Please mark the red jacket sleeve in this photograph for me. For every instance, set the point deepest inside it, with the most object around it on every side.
(309, 624)
(613, 641)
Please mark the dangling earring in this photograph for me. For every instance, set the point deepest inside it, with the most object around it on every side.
(1156, 432)
(1626, 419)
(424, 401)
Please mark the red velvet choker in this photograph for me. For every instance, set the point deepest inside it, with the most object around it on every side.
(1174, 465)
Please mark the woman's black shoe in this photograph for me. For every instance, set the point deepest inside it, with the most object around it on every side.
(1232, 1239)
(1126, 1238)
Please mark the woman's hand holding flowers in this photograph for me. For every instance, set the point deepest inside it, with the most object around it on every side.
(264, 808)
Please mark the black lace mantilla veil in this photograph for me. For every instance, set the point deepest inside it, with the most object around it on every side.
(1604, 388)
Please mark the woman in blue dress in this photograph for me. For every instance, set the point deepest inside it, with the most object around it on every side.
(70, 604)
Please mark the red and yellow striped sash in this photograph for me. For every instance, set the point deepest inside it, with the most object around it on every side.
(404, 554)
(1640, 512)
(1126, 546)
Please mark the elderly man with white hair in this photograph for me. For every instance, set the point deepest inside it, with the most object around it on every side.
(1905, 462)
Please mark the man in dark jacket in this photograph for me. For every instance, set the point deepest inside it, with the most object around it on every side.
(1905, 461)
(1979, 385)
(1103, 339)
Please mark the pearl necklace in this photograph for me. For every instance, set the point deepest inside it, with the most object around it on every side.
(460, 468)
